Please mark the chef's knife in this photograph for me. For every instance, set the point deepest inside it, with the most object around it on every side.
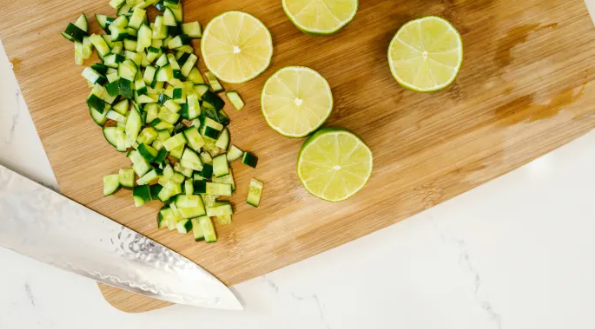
(42, 224)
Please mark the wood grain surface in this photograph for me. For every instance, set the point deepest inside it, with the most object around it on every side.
(525, 88)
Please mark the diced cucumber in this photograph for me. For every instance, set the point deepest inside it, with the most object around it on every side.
(195, 140)
(122, 106)
(234, 153)
(152, 113)
(220, 165)
(197, 230)
(163, 216)
(159, 28)
(218, 189)
(125, 9)
(116, 3)
(235, 99)
(146, 99)
(164, 73)
(212, 100)
(223, 140)
(126, 177)
(168, 17)
(197, 79)
(113, 60)
(170, 189)
(121, 140)
(206, 158)
(187, 172)
(190, 202)
(213, 82)
(148, 177)
(255, 192)
(136, 58)
(82, 23)
(99, 43)
(74, 33)
(189, 65)
(199, 186)
(104, 22)
(133, 125)
(215, 128)
(192, 30)
(172, 106)
(250, 159)
(142, 195)
(227, 179)
(144, 38)
(178, 42)
(205, 173)
(148, 152)
(137, 18)
(93, 76)
(211, 148)
(161, 155)
(98, 117)
(96, 103)
(176, 8)
(111, 184)
(178, 178)
(184, 226)
(189, 187)
(191, 160)
(127, 70)
(168, 116)
(177, 152)
(125, 88)
(220, 209)
(160, 125)
(113, 115)
(147, 136)
(139, 164)
(174, 142)
(208, 229)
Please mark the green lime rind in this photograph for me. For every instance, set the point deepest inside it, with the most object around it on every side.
(311, 130)
(322, 132)
(315, 32)
(412, 87)
(257, 73)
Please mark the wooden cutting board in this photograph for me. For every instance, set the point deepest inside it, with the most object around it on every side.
(524, 89)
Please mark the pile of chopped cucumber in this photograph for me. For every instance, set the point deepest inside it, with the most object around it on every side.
(154, 105)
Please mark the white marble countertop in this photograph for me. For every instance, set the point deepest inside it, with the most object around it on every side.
(518, 252)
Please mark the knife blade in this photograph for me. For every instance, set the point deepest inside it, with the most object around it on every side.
(42, 224)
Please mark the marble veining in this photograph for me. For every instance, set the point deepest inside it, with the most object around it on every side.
(29, 293)
(467, 264)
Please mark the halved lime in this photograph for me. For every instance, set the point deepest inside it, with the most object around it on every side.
(426, 54)
(236, 47)
(334, 164)
(320, 16)
(296, 101)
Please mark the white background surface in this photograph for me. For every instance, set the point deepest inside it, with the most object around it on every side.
(518, 252)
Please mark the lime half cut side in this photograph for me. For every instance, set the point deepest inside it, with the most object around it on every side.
(334, 164)
(236, 47)
(296, 101)
(426, 54)
(321, 17)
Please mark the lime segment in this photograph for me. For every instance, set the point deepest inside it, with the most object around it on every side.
(236, 47)
(334, 164)
(296, 101)
(426, 54)
(320, 16)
